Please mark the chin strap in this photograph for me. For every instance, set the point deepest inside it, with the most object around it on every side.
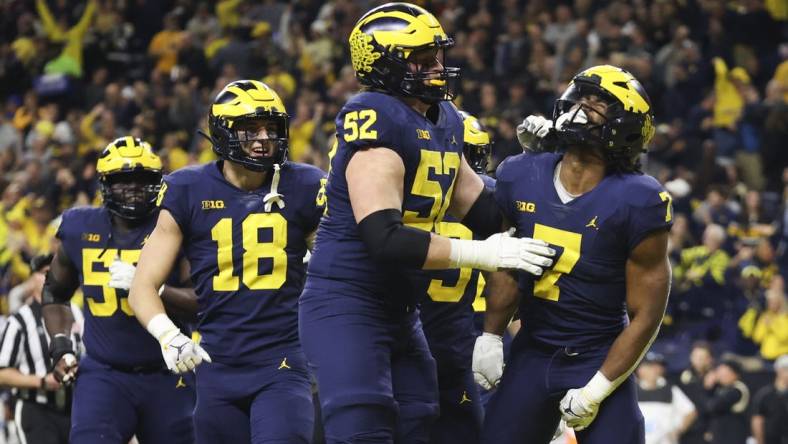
(273, 196)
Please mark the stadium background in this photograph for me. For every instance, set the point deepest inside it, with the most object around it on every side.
(75, 74)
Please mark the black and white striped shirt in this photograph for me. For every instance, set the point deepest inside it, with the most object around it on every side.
(25, 346)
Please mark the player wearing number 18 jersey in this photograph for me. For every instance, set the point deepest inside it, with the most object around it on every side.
(396, 170)
(589, 319)
(243, 223)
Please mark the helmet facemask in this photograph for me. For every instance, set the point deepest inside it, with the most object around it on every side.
(131, 194)
(587, 116)
(478, 156)
(424, 83)
(242, 140)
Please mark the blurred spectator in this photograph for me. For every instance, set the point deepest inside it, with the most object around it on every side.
(770, 407)
(691, 382)
(667, 411)
(700, 277)
(771, 328)
(727, 404)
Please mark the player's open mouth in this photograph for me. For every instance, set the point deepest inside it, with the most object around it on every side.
(261, 152)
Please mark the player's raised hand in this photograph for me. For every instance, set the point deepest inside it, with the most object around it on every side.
(487, 364)
(532, 128)
(180, 353)
(121, 274)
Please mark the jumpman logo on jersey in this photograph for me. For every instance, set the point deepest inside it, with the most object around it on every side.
(180, 383)
(453, 140)
(464, 398)
(283, 365)
(592, 223)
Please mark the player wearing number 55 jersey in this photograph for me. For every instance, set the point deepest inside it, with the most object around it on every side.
(243, 223)
(447, 315)
(396, 170)
(123, 388)
(581, 190)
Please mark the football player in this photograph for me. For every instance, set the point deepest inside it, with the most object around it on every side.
(447, 316)
(244, 222)
(124, 388)
(589, 319)
(396, 170)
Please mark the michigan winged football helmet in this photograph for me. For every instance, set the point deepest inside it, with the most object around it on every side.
(129, 177)
(235, 118)
(628, 122)
(386, 37)
(478, 146)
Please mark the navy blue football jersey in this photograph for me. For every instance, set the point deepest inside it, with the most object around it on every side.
(580, 300)
(431, 153)
(112, 333)
(447, 308)
(246, 264)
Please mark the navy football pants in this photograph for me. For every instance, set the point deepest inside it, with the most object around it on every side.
(269, 402)
(524, 408)
(110, 406)
(376, 377)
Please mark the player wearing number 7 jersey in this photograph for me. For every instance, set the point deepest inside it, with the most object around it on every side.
(243, 223)
(396, 170)
(590, 318)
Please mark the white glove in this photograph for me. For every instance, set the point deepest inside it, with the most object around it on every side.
(121, 274)
(487, 363)
(501, 250)
(180, 353)
(579, 117)
(579, 406)
(533, 127)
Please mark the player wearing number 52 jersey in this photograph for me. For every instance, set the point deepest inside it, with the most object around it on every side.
(396, 170)
(243, 223)
(124, 387)
(447, 315)
(590, 318)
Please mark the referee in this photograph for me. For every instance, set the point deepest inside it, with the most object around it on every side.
(43, 406)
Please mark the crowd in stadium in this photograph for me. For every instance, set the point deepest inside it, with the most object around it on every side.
(76, 74)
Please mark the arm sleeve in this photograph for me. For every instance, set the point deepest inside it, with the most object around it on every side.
(365, 122)
(316, 202)
(174, 198)
(10, 344)
(48, 21)
(654, 212)
(82, 26)
(501, 192)
(723, 402)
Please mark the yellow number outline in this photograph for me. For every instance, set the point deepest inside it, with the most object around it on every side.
(546, 287)
(90, 277)
(253, 251)
(368, 117)
(438, 291)
(440, 164)
(666, 197)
